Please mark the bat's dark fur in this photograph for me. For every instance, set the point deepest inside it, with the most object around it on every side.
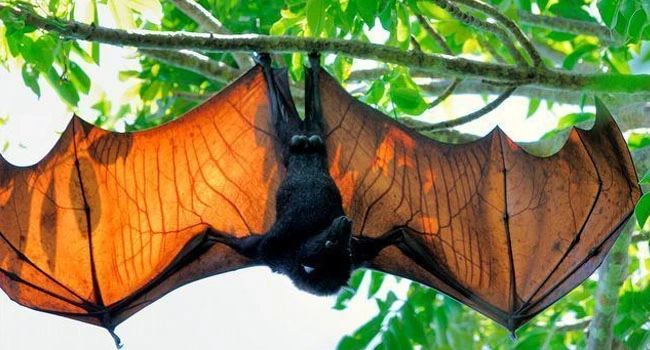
(310, 240)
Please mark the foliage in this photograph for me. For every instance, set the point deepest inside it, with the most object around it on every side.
(422, 318)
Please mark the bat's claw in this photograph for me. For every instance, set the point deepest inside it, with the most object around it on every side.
(298, 142)
(316, 141)
(304, 143)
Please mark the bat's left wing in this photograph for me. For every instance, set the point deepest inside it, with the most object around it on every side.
(108, 222)
(498, 229)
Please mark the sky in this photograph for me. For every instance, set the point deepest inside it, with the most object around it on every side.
(247, 309)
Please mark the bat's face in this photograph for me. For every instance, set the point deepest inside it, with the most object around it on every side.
(323, 263)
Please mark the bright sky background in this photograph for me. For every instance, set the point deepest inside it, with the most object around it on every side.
(249, 309)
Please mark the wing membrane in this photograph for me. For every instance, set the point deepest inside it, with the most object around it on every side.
(89, 231)
(501, 230)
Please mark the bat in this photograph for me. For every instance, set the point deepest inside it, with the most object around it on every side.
(108, 223)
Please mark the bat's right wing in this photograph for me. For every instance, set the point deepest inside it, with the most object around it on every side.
(108, 222)
(498, 229)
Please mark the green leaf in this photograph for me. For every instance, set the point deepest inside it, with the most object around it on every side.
(572, 119)
(376, 280)
(388, 339)
(53, 6)
(364, 335)
(151, 10)
(573, 58)
(542, 4)
(315, 12)
(103, 107)
(608, 11)
(350, 343)
(342, 299)
(387, 15)
(342, 67)
(79, 78)
(637, 24)
(431, 10)
(571, 9)
(63, 87)
(94, 46)
(122, 13)
(532, 107)
(40, 52)
(636, 140)
(356, 279)
(403, 25)
(30, 78)
(408, 99)
(384, 305)
(76, 48)
(642, 209)
(127, 74)
(645, 179)
(413, 327)
(376, 92)
(523, 4)
(368, 10)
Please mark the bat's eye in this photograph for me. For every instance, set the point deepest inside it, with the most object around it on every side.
(329, 244)
(308, 269)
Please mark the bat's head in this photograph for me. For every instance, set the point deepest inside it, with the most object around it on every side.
(324, 262)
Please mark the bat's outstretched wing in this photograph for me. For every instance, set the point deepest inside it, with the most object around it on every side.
(498, 229)
(108, 222)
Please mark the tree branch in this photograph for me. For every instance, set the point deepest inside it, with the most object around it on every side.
(476, 22)
(200, 15)
(210, 23)
(579, 325)
(466, 118)
(572, 26)
(439, 64)
(509, 24)
(446, 50)
(611, 275)
(445, 93)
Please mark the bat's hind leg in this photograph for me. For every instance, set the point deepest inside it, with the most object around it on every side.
(284, 116)
(311, 138)
(313, 110)
(296, 136)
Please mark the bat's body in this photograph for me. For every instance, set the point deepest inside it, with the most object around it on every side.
(108, 223)
(310, 240)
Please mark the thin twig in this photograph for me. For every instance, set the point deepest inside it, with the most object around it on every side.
(415, 44)
(446, 93)
(478, 23)
(641, 237)
(509, 24)
(434, 35)
(572, 26)
(579, 325)
(446, 50)
(490, 48)
(190, 96)
(210, 23)
(471, 116)
(195, 62)
(200, 15)
(440, 65)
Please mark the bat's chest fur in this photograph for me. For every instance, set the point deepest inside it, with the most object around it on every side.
(310, 240)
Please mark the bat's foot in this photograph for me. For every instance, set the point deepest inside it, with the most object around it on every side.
(304, 143)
